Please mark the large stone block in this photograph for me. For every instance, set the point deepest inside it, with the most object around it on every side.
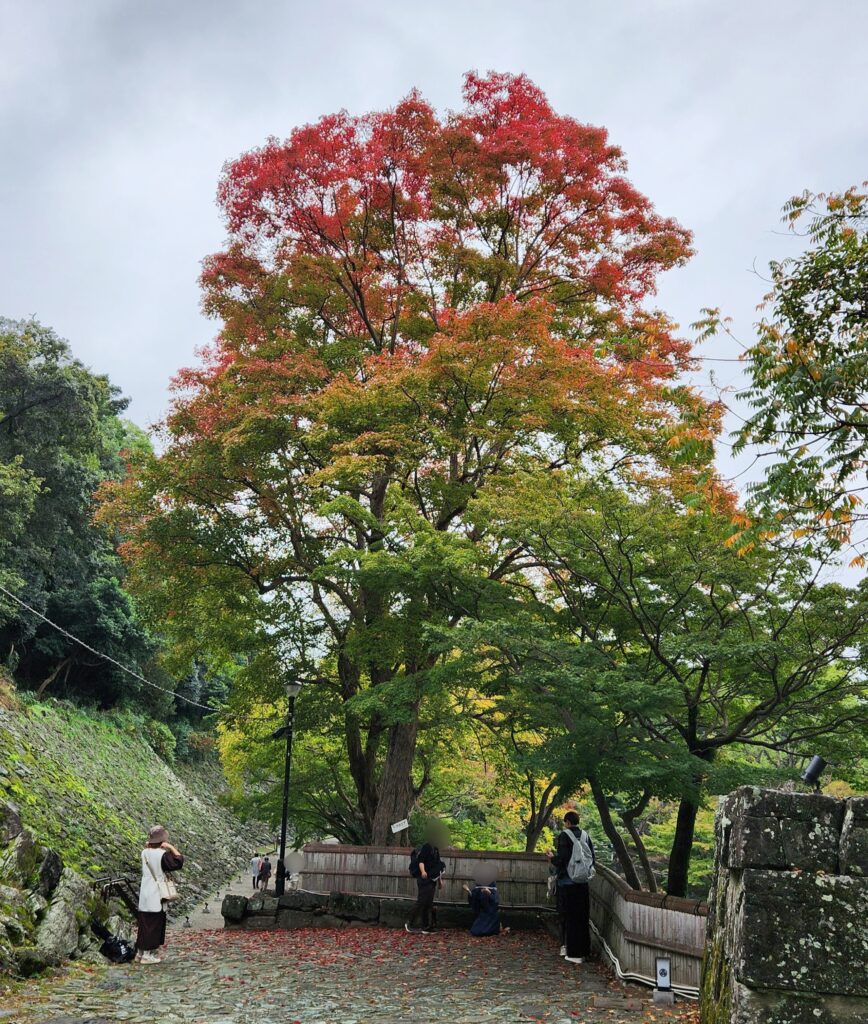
(354, 908)
(326, 921)
(769, 829)
(853, 854)
(394, 913)
(288, 919)
(16, 914)
(69, 913)
(10, 822)
(29, 960)
(262, 905)
(259, 923)
(50, 871)
(300, 900)
(787, 946)
(234, 908)
(19, 863)
(801, 931)
(452, 915)
(775, 803)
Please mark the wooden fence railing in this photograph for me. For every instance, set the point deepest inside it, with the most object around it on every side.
(633, 927)
(383, 871)
(636, 927)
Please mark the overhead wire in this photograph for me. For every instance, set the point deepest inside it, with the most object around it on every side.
(124, 668)
(105, 657)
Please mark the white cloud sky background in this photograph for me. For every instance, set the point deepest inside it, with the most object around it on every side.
(116, 118)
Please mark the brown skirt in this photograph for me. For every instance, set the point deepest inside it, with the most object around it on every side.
(152, 929)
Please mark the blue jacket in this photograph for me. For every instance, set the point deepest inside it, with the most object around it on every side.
(485, 906)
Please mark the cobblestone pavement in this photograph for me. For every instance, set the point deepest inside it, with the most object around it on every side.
(340, 976)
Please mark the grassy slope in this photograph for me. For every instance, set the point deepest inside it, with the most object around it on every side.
(89, 785)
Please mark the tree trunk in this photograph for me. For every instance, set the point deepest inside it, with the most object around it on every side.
(43, 686)
(682, 844)
(533, 837)
(613, 835)
(642, 853)
(361, 758)
(540, 811)
(395, 792)
(533, 833)
(366, 792)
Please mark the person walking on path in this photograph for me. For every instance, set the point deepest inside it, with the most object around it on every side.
(427, 868)
(484, 901)
(574, 860)
(264, 874)
(159, 858)
(255, 865)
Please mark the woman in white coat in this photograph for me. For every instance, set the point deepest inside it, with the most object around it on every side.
(159, 857)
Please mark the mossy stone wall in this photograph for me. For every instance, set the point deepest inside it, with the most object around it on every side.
(788, 913)
(88, 786)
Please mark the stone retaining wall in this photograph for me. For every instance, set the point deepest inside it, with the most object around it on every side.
(788, 921)
(298, 909)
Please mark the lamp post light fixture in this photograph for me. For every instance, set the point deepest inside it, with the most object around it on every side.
(292, 691)
(813, 772)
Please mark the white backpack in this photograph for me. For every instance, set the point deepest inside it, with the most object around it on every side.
(581, 865)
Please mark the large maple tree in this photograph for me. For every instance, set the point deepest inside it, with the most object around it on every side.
(412, 306)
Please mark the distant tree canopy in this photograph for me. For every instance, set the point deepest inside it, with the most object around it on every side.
(61, 436)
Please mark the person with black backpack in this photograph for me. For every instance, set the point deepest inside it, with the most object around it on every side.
(427, 867)
(574, 861)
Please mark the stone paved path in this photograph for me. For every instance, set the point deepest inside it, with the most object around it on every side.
(200, 918)
(341, 976)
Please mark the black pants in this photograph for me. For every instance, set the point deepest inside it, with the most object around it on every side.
(574, 904)
(424, 906)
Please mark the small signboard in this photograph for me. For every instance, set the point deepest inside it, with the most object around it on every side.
(664, 976)
(399, 826)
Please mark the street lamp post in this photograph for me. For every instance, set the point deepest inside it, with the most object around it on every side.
(292, 691)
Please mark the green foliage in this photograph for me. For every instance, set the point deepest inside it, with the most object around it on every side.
(656, 646)
(60, 437)
(808, 370)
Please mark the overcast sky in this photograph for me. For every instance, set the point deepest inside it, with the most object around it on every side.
(116, 117)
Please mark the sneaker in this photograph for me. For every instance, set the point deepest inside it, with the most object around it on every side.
(563, 951)
(151, 958)
(427, 931)
(574, 959)
(412, 931)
